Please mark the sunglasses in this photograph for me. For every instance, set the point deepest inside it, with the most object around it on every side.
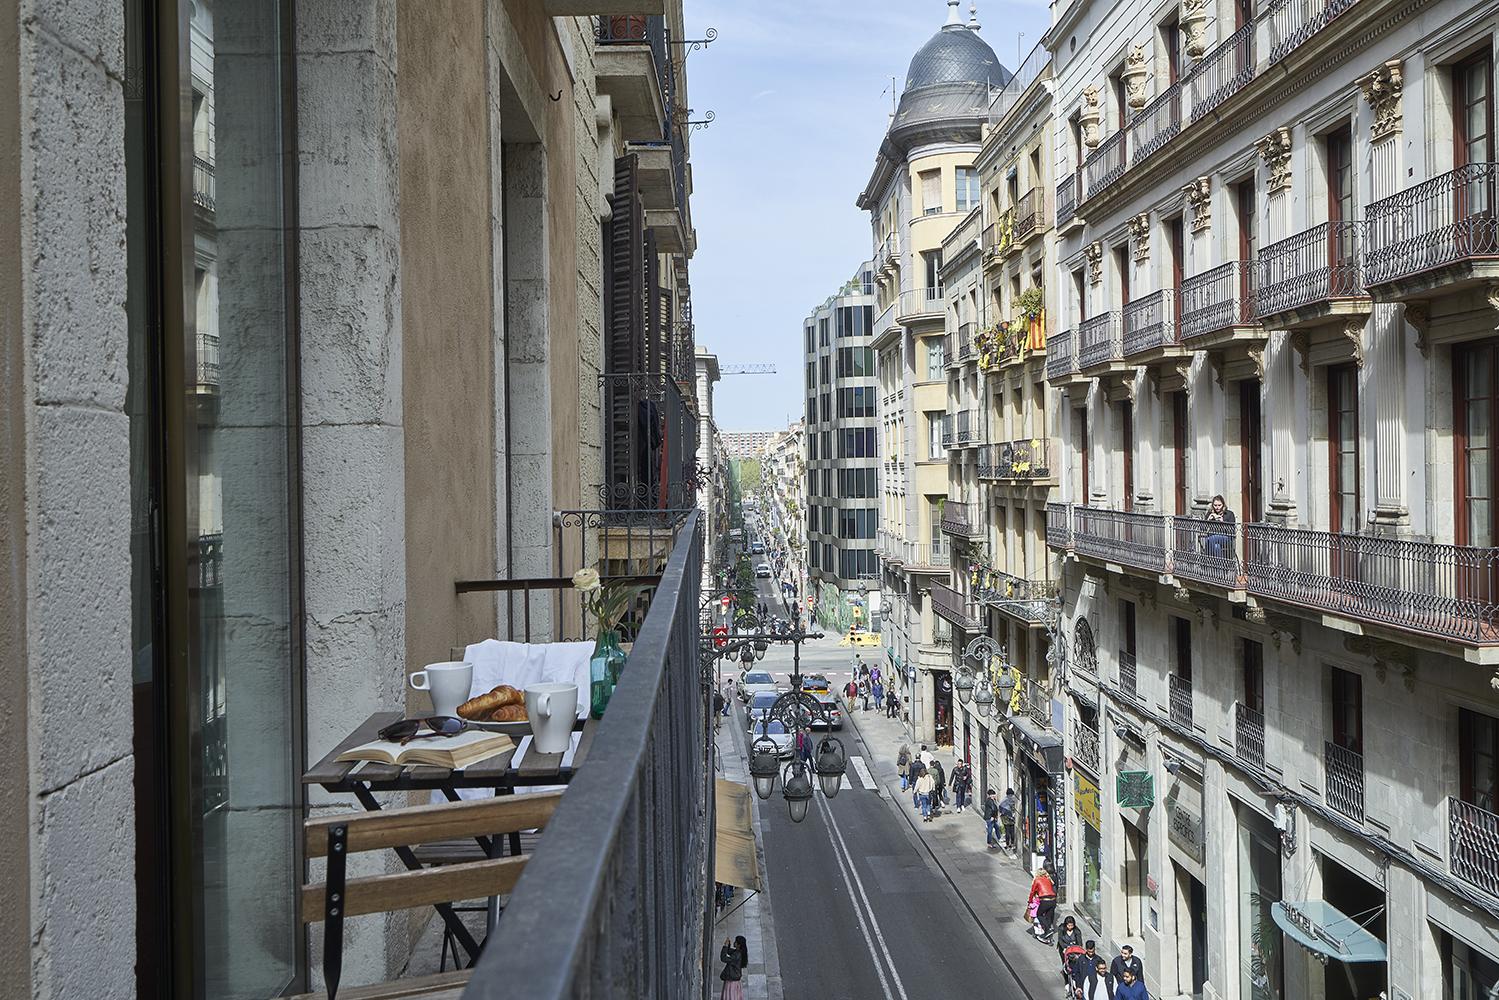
(407, 730)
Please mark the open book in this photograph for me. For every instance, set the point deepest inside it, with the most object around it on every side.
(454, 752)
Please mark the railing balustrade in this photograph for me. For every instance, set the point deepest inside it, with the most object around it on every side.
(1249, 736)
(954, 608)
(1027, 458)
(1104, 165)
(1451, 591)
(1067, 198)
(1058, 525)
(208, 359)
(1129, 680)
(1099, 340)
(1344, 777)
(958, 518)
(949, 346)
(1030, 212)
(1473, 845)
(205, 188)
(1027, 600)
(1061, 357)
(947, 431)
(967, 427)
(1150, 322)
(1311, 267)
(1292, 22)
(1223, 72)
(1179, 689)
(1126, 537)
(965, 341)
(1441, 221)
(1157, 124)
(1085, 747)
(1217, 300)
(1038, 703)
(1205, 551)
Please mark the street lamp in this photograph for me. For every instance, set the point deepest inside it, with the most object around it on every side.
(983, 698)
(1006, 687)
(964, 683)
(765, 765)
(797, 788)
(829, 765)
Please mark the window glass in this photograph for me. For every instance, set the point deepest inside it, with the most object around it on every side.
(931, 192)
(968, 188)
(935, 370)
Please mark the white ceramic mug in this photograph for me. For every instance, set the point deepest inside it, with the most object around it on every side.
(552, 709)
(447, 683)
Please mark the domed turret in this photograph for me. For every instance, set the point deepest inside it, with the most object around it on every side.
(947, 85)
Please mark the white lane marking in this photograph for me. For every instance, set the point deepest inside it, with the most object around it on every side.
(843, 869)
(862, 770)
(843, 782)
(874, 922)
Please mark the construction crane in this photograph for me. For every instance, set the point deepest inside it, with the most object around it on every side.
(746, 369)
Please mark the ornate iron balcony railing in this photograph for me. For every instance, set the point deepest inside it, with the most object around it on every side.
(1217, 300)
(1292, 22)
(1179, 689)
(1156, 124)
(1447, 219)
(1205, 551)
(1150, 322)
(1249, 736)
(1068, 196)
(1061, 356)
(1085, 747)
(1105, 165)
(1344, 776)
(1099, 341)
(1127, 537)
(954, 608)
(1223, 72)
(1058, 525)
(1473, 844)
(1129, 681)
(1316, 266)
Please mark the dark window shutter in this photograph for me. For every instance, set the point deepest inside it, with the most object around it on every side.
(624, 355)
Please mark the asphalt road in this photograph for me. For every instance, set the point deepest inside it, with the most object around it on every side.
(861, 909)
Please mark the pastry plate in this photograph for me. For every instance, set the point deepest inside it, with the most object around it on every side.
(515, 730)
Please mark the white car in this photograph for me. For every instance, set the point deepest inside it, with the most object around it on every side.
(759, 708)
(753, 682)
(777, 734)
(763, 571)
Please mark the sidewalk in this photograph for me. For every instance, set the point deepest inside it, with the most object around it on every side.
(991, 883)
(752, 918)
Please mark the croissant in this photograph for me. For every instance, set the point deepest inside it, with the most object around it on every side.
(480, 707)
(509, 713)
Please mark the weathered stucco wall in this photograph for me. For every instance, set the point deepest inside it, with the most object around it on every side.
(447, 305)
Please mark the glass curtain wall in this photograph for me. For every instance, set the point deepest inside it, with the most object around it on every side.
(216, 583)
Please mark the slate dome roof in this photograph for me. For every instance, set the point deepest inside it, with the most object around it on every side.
(948, 86)
(956, 54)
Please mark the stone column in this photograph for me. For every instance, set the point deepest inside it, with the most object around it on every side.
(1146, 421)
(1280, 376)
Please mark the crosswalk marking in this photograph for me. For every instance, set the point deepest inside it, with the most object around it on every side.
(862, 770)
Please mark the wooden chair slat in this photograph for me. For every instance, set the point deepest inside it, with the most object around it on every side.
(426, 824)
(404, 890)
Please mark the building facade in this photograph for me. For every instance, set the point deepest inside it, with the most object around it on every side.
(924, 181)
(842, 513)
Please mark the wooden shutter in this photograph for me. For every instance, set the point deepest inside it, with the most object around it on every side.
(624, 351)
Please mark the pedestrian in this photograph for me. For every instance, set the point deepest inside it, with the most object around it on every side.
(804, 745)
(1220, 531)
(962, 777)
(719, 704)
(991, 820)
(902, 763)
(924, 788)
(1097, 984)
(1041, 904)
(864, 692)
(939, 788)
(926, 756)
(1007, 818)
(890, 703)
(1083, 964)
(1130, 987)
(879, 695)
(874, 674)
(1126, 959)
(734, 961)
(1069, 935)
(850, 692)
(917, 771)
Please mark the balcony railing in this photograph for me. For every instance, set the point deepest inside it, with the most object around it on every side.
(1067, 198)
(1058, 525)
(1104, 165)
(965, 341)
(1450, 591)
(1180, 692)
(1448, 219)
(1133, 539)
(1473, 845)
(1030, 214)
(922, 555)
(967, 428)
(630, 837)
(947, 430)
(1027, 600)
(650, 443)
(1313, 267)
(1099, 341)
(1205, 551)
(1345, 780)
(919, 302)
(959, 518)
(651, 30)
(1085, 747)
(1038, 703)
(1157, 124)
(208, 359)
(1129, 680)
(1150, 322)
(205, 188)
(1223, 72)
(1292, 22)
(953, 607)
(1217, 300)
(1061, 357)
(1027, 458)
(1249, 736)
(989, 240)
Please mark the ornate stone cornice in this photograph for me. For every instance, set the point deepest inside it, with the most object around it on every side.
(1275, 150)
(1382, 89)
(1199, 196)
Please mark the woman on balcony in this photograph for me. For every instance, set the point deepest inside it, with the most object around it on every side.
(1220, 533)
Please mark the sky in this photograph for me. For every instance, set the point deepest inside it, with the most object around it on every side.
(800, 90)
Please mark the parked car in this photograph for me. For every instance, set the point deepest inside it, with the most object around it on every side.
(759, 707)
(753, 682)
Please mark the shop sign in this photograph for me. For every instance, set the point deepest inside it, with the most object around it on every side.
(1086, 798)
(1059, 859)
(1185, 829)
(1135, 789)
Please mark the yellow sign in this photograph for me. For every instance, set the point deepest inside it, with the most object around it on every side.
(1086, 800)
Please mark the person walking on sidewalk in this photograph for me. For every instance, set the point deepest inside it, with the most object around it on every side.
(1069, 935)
(1130, 988)
(890, 703)
(917, 771)
(864, 692)
(1041, 904)
(1097, 984)
(1126, 959)
(850, 692)
(878, 691)
(939, 790)
(962, 781)
(1007, 818)
(902, 765)
(991, 820)
(924, 787)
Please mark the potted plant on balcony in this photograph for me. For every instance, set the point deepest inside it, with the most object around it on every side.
(607, 603)
(1031, 304)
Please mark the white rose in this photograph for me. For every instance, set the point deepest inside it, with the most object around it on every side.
(587, 580)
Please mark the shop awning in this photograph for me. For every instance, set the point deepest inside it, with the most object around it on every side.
(733, 838)
(1043, 745)
(1323, 929)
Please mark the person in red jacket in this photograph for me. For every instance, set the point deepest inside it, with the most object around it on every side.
(1042, 903)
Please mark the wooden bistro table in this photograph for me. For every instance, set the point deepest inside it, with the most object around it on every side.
(497, 773)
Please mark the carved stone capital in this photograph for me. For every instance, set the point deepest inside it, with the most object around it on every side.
(1199, 195)
(1275, 150)
(1418, 315)
(1094, 253)
(1257, 358)
(1301, 343)
(1088, 116)
(1139, 235)
(1353, 329)
(1134, 75)
(1382, 89)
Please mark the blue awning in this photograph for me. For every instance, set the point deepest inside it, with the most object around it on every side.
(1324, 930)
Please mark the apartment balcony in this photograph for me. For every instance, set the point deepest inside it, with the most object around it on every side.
(1027, 601)
(205, 189)
(1249, 737)
(966, 423)
(1059, 525)
(1156, 124)
(1061, 357)
(1150, 327)
(1126, 538)
(1105, 165)
(1179, 690)
(1030, 216)
(208, 362)
(1069, 193)
(916, 304)
(1223, 72)
(989, 242)
(1436, 237)
(922, 557)
(1473, 845)
(1037, 703)
(1129, 679)
(633, 63)
(1204, 551)
(1292, 22)
(1085, 748)
(955, 608)
(650, 443)
(887, 255)
(960, 519)
(964, 345)
(1100, 343)
(1343, 772)
(1217, 307)
(1025, 460)
(1444, 591)
(947, 431)
(1312, 279)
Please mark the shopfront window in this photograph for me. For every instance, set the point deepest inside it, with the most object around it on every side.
(1262, 970)
(1090, 884)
